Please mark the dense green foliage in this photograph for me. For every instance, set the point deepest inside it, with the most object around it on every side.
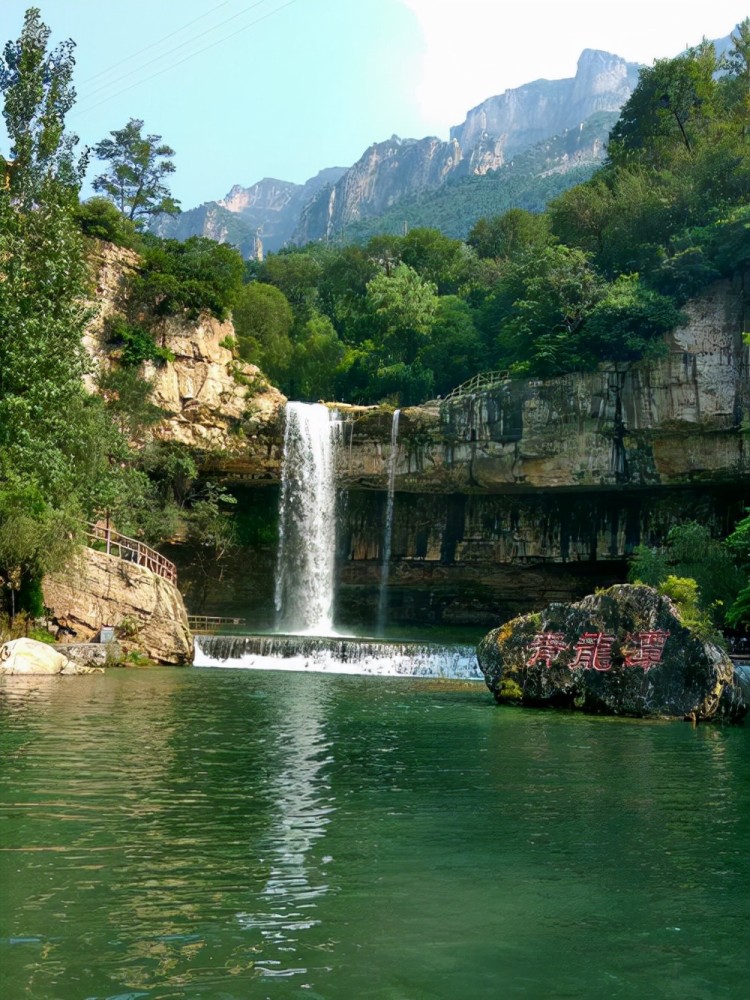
(691, 553)
(187, 278)
(99, 219)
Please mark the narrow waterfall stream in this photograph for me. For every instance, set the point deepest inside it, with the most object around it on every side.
(304, 592)
(388, 532)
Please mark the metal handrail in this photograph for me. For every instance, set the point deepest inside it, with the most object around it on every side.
(209, 623)
(130, 550)
(478, 383)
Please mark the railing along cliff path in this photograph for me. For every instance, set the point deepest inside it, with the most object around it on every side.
(130, 550)
(479, 383)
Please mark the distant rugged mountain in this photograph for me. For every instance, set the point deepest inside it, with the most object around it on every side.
(384, 174)
(270, 209)
(524, 116)
(400, 171)
(492, 134)
(530, 180)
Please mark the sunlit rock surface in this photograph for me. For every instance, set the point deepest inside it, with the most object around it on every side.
(623, 651)
(98, 589)
(28, 656)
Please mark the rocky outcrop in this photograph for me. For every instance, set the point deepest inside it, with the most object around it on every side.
(27, 656)
(212, 401)
(98, 590)
(524, 116)
(621, 652)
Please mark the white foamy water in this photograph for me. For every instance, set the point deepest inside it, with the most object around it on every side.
(335, 655)
(304, 592)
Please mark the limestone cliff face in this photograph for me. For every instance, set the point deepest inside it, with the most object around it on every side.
(98, 589)
(269, 195)
(386, 172)
(526, 115)
(673, 421)
(526, 492)
(110, 268)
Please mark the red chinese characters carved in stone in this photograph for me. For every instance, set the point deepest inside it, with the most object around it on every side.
(593, 652)
(546, 647)
(647, 649)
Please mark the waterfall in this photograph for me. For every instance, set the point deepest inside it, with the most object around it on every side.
(337, 656)
(307, 520)
(388, 531)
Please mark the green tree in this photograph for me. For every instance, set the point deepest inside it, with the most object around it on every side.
(628, 323)
(691, 552)
(317, 355)
(44, 426)
(454, 351)
(190, 277)
(99, 219)
(436, 258)
(138, 166)
(535, 314)
(667, 115)
(507, 236)
(404, 308)
(342, 288)
(263, 321)
(296, 273)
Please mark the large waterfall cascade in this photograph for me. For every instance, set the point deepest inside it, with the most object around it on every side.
(305, 567)
(388, 530)
(305, 575)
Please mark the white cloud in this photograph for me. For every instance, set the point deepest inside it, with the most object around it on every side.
(476, 48)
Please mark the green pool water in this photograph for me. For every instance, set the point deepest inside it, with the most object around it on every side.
(229, 834)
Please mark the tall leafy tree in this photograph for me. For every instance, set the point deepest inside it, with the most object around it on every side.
(47, 443)
(138, 168)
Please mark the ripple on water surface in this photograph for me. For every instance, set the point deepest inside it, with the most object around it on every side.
(225, 834)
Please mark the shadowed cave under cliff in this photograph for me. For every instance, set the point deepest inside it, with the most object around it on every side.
(456, 559)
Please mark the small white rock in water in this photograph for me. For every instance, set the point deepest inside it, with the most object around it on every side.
(28, 656)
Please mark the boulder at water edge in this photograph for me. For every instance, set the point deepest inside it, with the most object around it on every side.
(623, 651)
(27, 656)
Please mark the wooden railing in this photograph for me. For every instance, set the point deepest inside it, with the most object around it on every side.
(108, 540)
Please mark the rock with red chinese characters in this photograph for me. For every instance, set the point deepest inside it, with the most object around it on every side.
(623, 651)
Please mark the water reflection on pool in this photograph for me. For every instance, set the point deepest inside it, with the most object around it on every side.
(232, 834)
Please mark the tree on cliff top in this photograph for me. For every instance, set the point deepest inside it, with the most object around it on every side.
(138, 165)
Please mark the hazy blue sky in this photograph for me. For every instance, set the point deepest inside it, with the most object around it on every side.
(245, 89)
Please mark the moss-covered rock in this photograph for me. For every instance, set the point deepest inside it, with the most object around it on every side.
(623, 651)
